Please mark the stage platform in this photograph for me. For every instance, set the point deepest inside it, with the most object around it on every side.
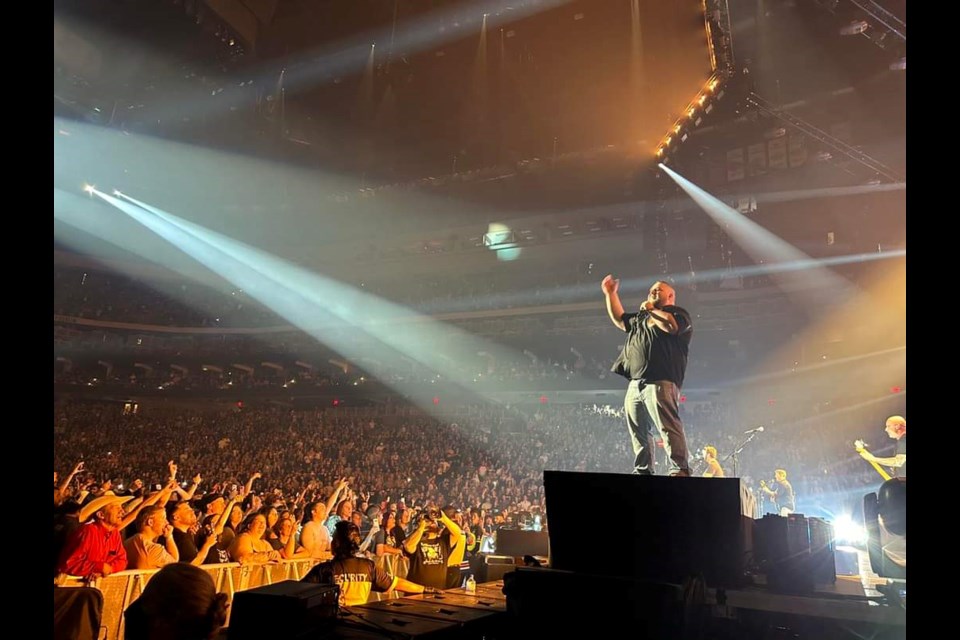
(451, 614)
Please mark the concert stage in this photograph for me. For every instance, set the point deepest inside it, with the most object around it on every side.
(543, 599)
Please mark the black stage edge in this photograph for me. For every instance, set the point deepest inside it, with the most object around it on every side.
(597, 607)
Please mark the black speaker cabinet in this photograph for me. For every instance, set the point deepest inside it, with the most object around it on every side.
(658, 528)
(519, 543)
(287, 609)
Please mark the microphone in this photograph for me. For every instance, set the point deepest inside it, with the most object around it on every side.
(757, 430)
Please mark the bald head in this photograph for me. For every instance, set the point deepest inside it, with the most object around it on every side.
(896, 427)
(662, 294)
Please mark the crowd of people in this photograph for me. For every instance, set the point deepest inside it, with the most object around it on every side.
(484, 457)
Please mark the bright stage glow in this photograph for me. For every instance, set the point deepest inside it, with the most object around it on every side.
(846, 531)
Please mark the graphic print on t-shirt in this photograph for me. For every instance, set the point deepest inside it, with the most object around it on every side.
(431, 553)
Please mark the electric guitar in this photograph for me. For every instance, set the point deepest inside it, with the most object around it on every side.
(860, 446)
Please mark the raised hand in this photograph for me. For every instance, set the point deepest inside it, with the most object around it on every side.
(610, 285)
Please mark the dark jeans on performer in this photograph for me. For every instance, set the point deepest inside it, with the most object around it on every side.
(652, 409)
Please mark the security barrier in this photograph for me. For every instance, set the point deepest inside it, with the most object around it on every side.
(122, 588)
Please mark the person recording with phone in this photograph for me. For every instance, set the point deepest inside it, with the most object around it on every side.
(430, 548)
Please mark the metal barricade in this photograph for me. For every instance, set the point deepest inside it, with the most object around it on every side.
(122, 588)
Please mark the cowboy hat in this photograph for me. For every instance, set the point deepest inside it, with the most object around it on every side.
(87, 511)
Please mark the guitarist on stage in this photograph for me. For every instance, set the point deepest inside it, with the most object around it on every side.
(714, 470)
(782, 493)
(897, 429)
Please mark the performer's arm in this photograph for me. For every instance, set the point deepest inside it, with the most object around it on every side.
(896, 461)
(410, 542)
(610, 287)
(663, 319)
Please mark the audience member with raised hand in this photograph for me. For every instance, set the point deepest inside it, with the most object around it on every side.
(247, 488)
(188, 494)
(431, 546)
(215, 524)
(139, 504)
(62, 492)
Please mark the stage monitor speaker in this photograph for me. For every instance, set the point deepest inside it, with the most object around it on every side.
(795, 552)
(287, 609)
(495, 566)
(660, 528)
(518, 543)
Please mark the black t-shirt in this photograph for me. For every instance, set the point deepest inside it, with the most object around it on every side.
(186, 545)
(355, 576)
(220, 552)
(901, 472)
(785, 495)
(428, 565)
(651, 354)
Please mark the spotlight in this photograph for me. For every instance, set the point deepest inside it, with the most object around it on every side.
(89, 188)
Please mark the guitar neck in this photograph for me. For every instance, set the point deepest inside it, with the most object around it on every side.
(877, 467)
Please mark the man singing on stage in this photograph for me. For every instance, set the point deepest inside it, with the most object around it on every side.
(654, 360)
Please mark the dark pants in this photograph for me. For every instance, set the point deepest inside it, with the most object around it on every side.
(651, 409)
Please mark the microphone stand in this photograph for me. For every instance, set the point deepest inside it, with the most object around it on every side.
(736, 451)
(733, 455)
